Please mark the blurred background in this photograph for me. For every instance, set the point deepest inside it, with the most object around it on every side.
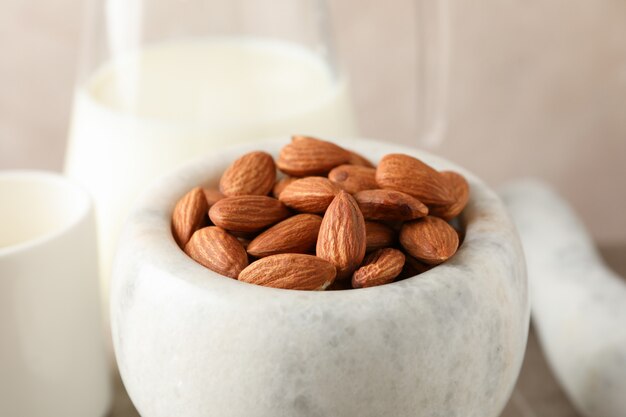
(535, 88)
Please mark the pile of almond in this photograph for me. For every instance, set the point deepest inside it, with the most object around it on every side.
(333, 221)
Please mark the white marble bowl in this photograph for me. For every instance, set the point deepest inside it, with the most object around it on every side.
(191, 343)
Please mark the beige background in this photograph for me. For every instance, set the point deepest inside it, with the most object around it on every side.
(537, 87)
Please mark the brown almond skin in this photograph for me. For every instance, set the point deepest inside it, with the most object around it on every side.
(297, 234)
(188, 215)
(389, 205)
(247, 213)
(360, 160)
(354, 178)
(342, 240)
(212, 196)
(217, 250)
(252, 174)
(306, 156)
(378, 236)
(380, 267)
(291, 271)
(430, 240)
(281, 184)
(410, 175)
(461, 190)
(309, 195)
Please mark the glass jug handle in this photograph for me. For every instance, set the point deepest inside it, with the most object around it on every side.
(433, 55)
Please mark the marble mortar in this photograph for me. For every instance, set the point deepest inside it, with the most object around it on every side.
(189, 342)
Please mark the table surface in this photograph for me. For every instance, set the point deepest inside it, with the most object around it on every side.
(537, 393)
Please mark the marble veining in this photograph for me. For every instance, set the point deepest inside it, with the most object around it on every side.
(190, 343)
(579, 305)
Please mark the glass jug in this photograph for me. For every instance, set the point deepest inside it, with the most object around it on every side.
(164, 81)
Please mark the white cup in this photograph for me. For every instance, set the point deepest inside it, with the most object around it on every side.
(52, 355)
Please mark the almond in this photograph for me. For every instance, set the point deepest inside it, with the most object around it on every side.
(389, 205)
(306, 156)
(281, 184)
(460, 189)
(247, 213)
(378, 236)
(410, 175)
(252, 174)
(380, 267)
(341, 240)
(292, 271)
(309, 195)
(217, 250)
(430, 239)
(357, 159)
(212, 196)
(354, 178)
(188, 215)
(403, 199)
(297, 234)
